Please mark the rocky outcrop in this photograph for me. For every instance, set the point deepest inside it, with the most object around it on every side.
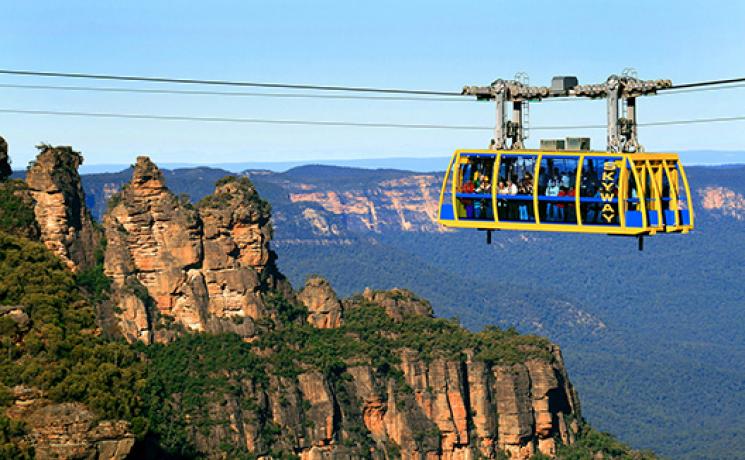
(200, 268)
(66, 225)
(5, 170)
(68, 430)
(399, 303)
(435, 407)
(723, 200)
(324, 308)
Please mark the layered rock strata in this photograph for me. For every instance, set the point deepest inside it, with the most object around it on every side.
(66, 225)
(200, 268)
(439, 408)
(68, 430)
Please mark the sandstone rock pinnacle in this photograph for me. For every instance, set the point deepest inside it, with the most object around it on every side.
(200, 268)
(65, 223)
(324, 307)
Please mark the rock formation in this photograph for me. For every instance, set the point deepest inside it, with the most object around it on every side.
(209, 268)
(433, 407)
(68, 430)
(5, 170)
(201, 268)
(324, 308)
(66, 225)
(723, 200)
(399, 303)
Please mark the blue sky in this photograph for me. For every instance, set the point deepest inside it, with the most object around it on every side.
(413, 44)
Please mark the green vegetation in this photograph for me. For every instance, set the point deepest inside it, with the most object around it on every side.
(591, 442)
(16, 214)
(188, 376)
(225, 199)
(55, 349)
(369, 335)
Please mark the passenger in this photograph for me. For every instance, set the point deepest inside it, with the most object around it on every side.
(551, 191)
(571, 215)
(565, 181)
(484, 186)
(523, 207)
(511, 205)
(502, 203)
(468, 205)
(561, 205)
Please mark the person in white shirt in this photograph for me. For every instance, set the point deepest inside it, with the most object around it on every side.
(551, 209)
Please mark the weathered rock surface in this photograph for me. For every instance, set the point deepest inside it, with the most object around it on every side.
(436, 408)
(406, 203)
(399, 303)
(68, 430)
(208, 267)
(324, 308)
(202, 268)
(5, 169)
(723, 200)
(66, 225)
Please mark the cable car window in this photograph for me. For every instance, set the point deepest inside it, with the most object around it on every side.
(557, 179)
(474, 188)
(632, 191)
(515, 188)
(599, 191)
(684, 210)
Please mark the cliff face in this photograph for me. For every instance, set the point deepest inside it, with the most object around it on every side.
(374, 375)
(325, 204)
(433, 406)
(723, 200)
(202, 268)
(209, 268)
(68, 430)
(65, 223)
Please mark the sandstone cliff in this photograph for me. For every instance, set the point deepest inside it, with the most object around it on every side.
(396, 397)
(308, 374)
(209, 268)
(202, 268)
(723, 200)
(66, 225)
(68, 430)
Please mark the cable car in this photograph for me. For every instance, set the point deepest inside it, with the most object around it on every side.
(620, 191)
(633, 194)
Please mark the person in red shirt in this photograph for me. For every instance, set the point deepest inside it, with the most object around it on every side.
(571, 214)
(561, 205)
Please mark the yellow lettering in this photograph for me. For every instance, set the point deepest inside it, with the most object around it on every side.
(609, 176)
(608, 218)
(608, 186)
(609, 166)
(606, 196)
(608, 208)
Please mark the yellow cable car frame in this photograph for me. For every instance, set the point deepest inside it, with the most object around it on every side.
(662, 202)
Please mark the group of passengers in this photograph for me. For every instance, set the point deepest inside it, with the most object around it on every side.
(510, 209)
(559, 185)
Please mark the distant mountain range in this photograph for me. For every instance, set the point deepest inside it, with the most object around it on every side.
(417, 164)
(651, 338)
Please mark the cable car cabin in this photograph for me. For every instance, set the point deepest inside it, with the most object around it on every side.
(561, 191)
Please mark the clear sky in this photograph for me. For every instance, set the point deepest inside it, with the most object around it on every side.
(408, 44)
